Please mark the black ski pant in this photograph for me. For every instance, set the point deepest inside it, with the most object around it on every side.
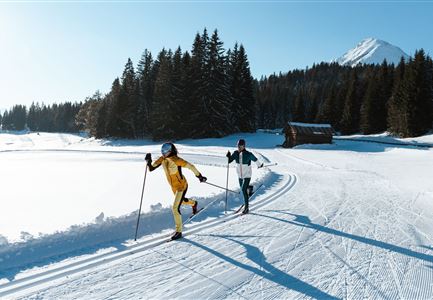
(244, 183)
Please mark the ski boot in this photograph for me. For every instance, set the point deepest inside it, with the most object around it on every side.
(194, 208)
(246, 210)
(176, 236)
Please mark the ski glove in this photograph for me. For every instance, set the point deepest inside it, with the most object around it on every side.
(148, 158)
(261, 166)
(201, 178)
(228, 154)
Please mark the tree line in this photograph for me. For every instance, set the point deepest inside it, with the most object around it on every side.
(209, 92)
(41, 117)
(366, 98)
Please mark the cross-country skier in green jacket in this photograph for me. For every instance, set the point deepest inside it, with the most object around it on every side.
(243, 159)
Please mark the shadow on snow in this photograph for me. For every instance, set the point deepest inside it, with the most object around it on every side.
(305, 221)
(268, 271)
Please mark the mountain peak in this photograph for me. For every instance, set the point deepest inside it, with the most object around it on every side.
(372, 51)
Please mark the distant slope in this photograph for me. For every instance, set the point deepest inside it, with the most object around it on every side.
(372, 51)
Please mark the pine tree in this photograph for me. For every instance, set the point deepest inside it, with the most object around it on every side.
(298, 113)
(199, 110)
(312, 111)
(410, 107)
(189, 108)
(128, 102)
(162, 100)
(112, 126)
(327, 111)
(423, 95)
(373, 108)
(234, 77)
(241, 88)
(247, 122)
(15, 118)
(178, 102)
(217, 88)
(145, 85)
(395, 104)
(5, 121)
(351, 113)
(89, 118)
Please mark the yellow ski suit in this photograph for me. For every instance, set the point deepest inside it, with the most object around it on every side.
(173, 171)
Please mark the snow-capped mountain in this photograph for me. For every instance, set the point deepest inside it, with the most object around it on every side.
(372, 51)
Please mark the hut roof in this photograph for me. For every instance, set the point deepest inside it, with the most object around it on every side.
(311, 129)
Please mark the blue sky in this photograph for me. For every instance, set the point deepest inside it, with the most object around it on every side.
(56, 52)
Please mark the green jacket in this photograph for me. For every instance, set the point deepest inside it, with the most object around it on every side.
(243, 160)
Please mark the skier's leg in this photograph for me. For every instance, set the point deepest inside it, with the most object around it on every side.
(185, 200)
(176, 210)
(245, 185)
(189, 202)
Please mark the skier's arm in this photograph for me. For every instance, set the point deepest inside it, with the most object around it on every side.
(254, 159)
(233, 156)
(155, 165)
(183, 163)
(229, 156)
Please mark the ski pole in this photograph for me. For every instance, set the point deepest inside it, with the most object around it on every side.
(227, 186)
(270, 165)
(141, 202)
(204, 208)
(221, 187)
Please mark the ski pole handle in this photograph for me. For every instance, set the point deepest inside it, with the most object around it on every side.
(221, 187)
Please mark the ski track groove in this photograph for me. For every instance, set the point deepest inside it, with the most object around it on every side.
(294, 249)
(194, 271)
(394, 273)
(370, 260)
(387, 203)
(57, 274)
(347, 246)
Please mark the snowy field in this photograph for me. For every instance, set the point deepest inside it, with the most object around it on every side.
(350, 220)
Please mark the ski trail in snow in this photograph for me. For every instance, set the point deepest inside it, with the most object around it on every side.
(391, 265)
(194, 271)
(54, 275)
(400, 218)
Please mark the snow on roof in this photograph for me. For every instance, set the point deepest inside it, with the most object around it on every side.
(309, 125)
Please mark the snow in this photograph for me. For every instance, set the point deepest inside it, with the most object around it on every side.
(422, 141)
(349, 220)
(310, 125)
(372, 51)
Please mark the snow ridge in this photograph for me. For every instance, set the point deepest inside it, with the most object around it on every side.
(372, 51)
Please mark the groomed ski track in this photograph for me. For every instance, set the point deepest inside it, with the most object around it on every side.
(344, 232)
(27, 285)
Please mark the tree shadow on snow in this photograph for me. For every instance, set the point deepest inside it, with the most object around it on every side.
(304, 221)
(254, 140)
(267, 271)
(363, 146)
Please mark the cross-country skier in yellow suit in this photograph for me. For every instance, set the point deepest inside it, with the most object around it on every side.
(173, 165)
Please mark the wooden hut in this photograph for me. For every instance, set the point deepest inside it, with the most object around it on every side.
(303, 133)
